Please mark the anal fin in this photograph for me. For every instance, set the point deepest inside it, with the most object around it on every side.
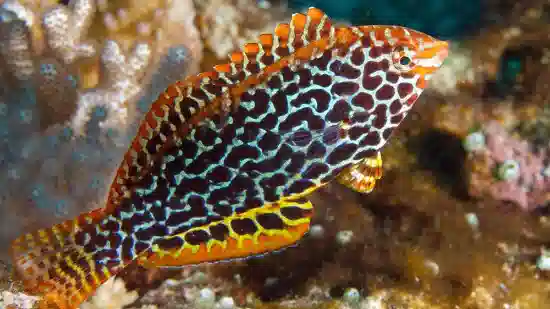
(362, 177)
(257, 231)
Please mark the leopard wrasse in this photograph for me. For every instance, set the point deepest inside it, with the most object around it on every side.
(223, 162)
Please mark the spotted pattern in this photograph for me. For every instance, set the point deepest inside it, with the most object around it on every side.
(229, 155)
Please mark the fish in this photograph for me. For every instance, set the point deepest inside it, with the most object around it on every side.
(221, 165)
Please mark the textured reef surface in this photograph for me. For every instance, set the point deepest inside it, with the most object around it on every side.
(460, 218)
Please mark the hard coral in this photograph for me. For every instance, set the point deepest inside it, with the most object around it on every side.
(61, 132)
(225, 25)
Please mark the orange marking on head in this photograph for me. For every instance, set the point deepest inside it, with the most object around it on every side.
(282, 31)
(237, 57)
(225, 68)
(251, 48)
(299, 21)
(315, 13)
(266, 40)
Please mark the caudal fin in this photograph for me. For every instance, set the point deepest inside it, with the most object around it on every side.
(62, 263)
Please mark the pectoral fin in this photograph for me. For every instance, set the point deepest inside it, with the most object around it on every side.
(362, 176)
(260, 230)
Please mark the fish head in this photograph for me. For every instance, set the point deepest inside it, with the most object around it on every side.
(416, 54)
(398, 63)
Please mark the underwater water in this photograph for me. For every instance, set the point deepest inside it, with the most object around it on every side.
(383, 168)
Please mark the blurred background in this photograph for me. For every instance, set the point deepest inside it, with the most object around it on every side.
(460, 218)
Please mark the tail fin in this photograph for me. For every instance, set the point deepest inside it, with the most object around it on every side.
(61, 263)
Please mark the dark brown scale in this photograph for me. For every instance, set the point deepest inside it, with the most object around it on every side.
(127, 249)
(291, 89)
(344, 88)
(184, 106)
(384, 65)
(274, 82)
(370, 139)
(339, 111)
(280, 103)
(363, 100)
(197, 237)
(316, 150)
(270, 122)
(315, 170)
(296, 163)
(270, 221)
(136, 219)
(299, 186)
(380, 116)
(219, 231)
(287, 74)
(294, 213)
(304, 78)
(233, 159)
(244, 226)
(174, 118)
(395, 106)
(356, 133)
(386, 92)
(366, 41)
(404, 89)
(341, 153)
(169, 243)
(358, 56)
(323, 61)
(145, 235)
(253, 68)
(375, 51)
(371, 82)
(322, 98)
(154, 144)
(323, 80)
(344, 70)
(314, 122)
(197, 185)
(392, 77)
(268, 59)
(220, 174)
(214, 88)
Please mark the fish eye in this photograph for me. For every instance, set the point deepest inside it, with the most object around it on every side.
(403, 58)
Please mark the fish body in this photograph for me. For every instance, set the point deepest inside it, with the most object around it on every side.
(223, 162)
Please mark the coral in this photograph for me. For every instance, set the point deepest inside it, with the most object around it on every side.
(111, 295)
(120, 83)
(62, 130)
(65, 29)
(508, 169)
(225, 25)
(18, 300)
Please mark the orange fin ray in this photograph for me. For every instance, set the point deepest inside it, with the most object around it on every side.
(52, 265)
(255, 232)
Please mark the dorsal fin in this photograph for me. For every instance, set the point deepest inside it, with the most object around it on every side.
(185, 103)
(286, 39)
